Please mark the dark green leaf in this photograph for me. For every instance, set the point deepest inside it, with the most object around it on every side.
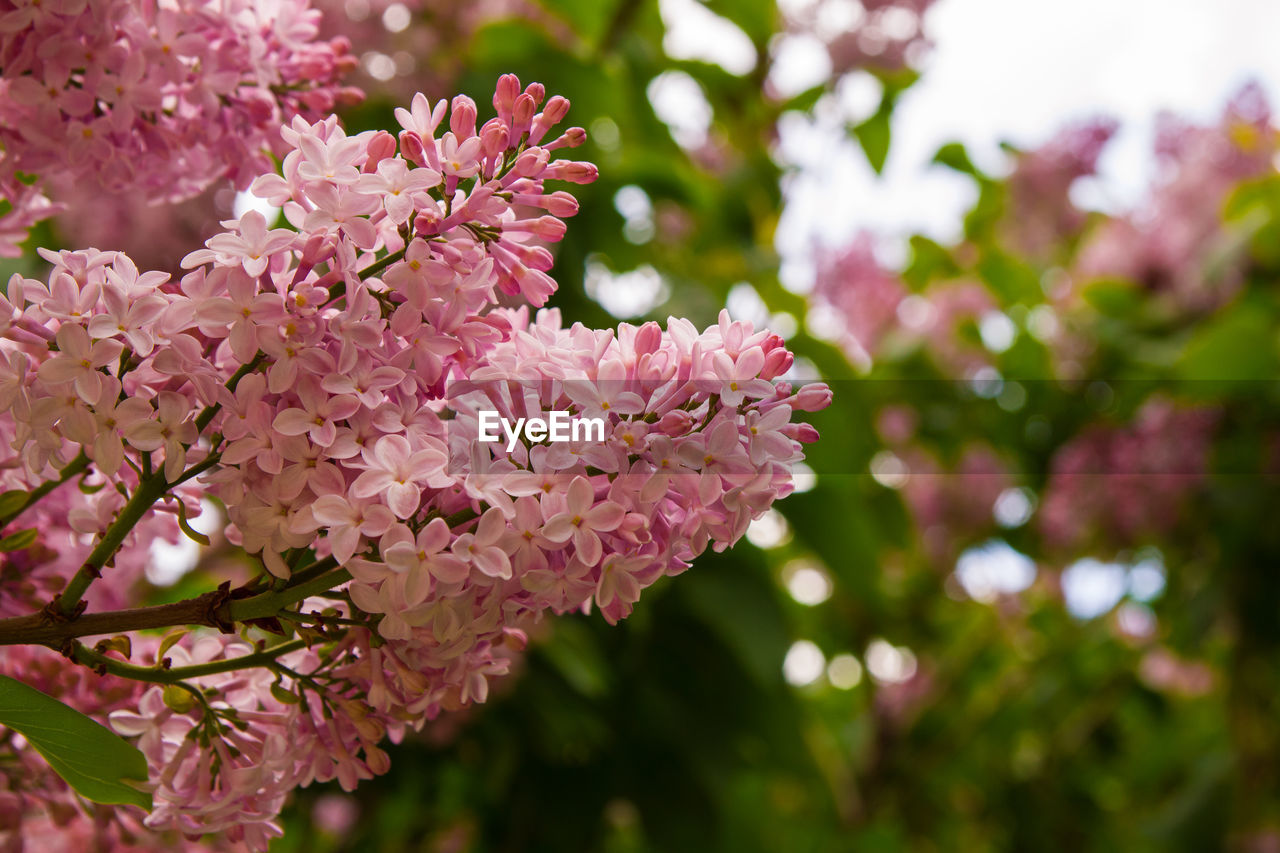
(11, 502)
(92, 759)
(19, 540)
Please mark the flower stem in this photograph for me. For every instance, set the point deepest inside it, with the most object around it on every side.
(85, 655)
(148, 492)
(80, 463)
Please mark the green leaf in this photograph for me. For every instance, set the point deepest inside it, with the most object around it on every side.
(120, 643)
(191, 532)
(284, 695)
(178, 698)
(589, 18)
(19, 540)
(954, 156)
(169, 641)
(1115, 297)
(12, 501)
(89, 489)
(874, 135)
(573, 652)
(1236, 345)
(92, 759)
(756, 18)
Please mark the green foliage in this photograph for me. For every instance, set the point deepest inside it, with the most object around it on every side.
(92, 759)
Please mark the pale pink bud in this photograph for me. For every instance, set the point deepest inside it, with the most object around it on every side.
(536, 257)
(493, 138)
(504, 97)
(537, 91)
(573, 171)
(812, 397)
(555, 111)
(317, 249)
(348, 96)
(531, 163)
(803, 433)
(318, 100)
(412, 149)
(259, 104)
(547, 228)
(675, 422)
(777, 360)
(522, 114)
(648, 338)
(560, 204)
(571, 138)
(382, 146)
(462, 121)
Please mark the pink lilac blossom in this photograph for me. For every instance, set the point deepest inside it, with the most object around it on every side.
(1116, 485)
(878, 315)
(949, 505)
(1041, 215)
(325, 383)
(1174, 242)
(153, 100)
(864, 294)
(883, 35)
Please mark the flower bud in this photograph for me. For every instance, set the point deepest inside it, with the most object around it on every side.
(412, 148)
(561, 204)
(493, 138)
(675, 422)
(573, 171)
(812, 397)
(557, 108)
(462, 120)
(648, 338)
(382, 146)
(522, 114)
(546, 228)
(803, 433)
(178, 699)
(531, 163)
(571, 138)
(776, 362)
(504, 96)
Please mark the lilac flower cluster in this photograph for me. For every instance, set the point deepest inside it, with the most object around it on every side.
(155, 99)
(316, 381)
(1175, 244)
(881, 35)
(1119, 484)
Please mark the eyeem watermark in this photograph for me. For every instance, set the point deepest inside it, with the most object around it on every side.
(555, 427)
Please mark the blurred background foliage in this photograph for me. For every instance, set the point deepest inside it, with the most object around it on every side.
(1026, 596)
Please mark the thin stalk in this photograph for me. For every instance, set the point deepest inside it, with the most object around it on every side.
(154, 675)
(76, 466)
